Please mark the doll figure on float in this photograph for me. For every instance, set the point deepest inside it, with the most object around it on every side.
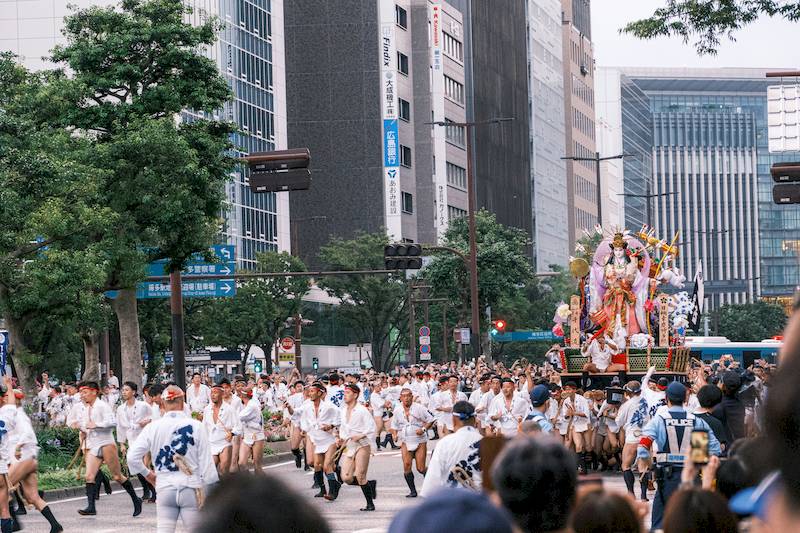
(618, 284)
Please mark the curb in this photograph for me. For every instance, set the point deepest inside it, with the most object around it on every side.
(55, 495)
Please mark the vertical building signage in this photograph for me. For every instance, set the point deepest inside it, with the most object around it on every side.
(437, 105)
(391, 141)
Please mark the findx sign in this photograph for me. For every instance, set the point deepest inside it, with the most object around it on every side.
(439, 133)
(391, 143)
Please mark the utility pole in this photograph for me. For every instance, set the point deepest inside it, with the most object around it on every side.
(178, 342)
(475, 338)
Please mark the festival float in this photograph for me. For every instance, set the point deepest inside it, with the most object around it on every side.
(628, 289)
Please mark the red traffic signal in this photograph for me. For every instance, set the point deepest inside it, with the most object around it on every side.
(499, 325)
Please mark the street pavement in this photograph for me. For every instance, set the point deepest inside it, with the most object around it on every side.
(114, 512)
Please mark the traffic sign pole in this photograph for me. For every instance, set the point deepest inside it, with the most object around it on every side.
(178, 346)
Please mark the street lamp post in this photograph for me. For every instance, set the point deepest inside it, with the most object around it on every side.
(647, 195)
(597, 160)
(475, 339)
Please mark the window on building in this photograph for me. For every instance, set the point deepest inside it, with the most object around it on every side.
(456, 176)
(405, 110)
(401, 17)
(453, 47)
(455, 212)
(402, 63)
(455, 134)
(408, 203)
(405, 156)
(454, 90)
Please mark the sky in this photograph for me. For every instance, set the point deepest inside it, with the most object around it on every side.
(766, 43)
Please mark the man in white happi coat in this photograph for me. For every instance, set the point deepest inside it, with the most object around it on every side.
(410, 425)
(8, 418)
(198, 394)
(293, 413)
(573, 425)
(456, 459)
(482, 409)
(443, 403)
(132, 416)
(320, 419)
(219, 419)
(97, 422)
(356, 432)
(252, 423)
(182, 464)
(508, 410)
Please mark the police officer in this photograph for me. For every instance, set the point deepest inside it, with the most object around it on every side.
(540, 398)
(670, 429)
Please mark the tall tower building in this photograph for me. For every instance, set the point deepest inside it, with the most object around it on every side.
(496, 44)
(547, 131)
(710, 180)
(579, 103)
(250, 55)
(362, 99)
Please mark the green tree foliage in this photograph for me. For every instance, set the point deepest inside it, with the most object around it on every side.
(132, 69)
(503, 264)
(256, 315)
(52, 212)
(752, 321)
(373, 305)
(708, 21)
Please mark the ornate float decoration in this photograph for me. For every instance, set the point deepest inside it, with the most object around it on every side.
(628, 289)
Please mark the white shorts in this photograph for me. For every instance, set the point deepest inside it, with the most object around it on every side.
(633, 436)
(217, 447)
(251, 437)
(97, 448)
(27, 451)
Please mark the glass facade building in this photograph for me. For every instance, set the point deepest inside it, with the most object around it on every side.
(710, 160)
(546, 101)
(637, 140)
(249, 47)
(246, 60)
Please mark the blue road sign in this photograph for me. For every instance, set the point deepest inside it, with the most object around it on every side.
(193, 268)
(201, 288)
(3, 350)
(516, 336)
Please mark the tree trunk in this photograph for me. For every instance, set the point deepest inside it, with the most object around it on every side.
(91, 350)
(124, 306)
(245, 356)
(26, 375)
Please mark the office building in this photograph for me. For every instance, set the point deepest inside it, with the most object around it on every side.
(711, 174)
(624, 126)
(249, 53)
(496, 63)
(547, 130)
(362, 99)
(579, 102)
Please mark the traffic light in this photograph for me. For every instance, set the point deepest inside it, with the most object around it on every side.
(315, 363)
(787, 177)
(498, 327)
(280, 170)
(407, 256)
(258, 367)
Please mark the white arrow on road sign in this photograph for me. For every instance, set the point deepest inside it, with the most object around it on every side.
(425, 339)
(226, 287)
(225, 270)
(226, 253)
